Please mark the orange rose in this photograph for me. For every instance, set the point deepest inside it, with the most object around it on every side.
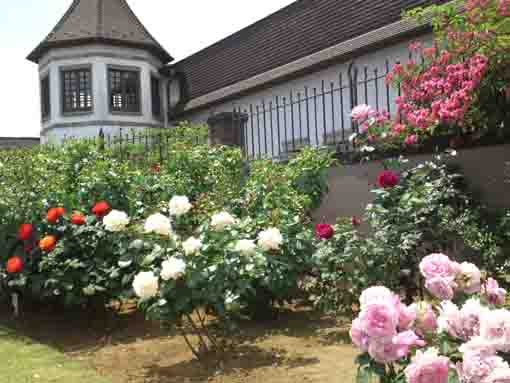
(78, 219)
(48, 243)
(54, 214)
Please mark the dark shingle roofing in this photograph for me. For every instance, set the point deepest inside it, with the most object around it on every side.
(106, 21)
(298, 30)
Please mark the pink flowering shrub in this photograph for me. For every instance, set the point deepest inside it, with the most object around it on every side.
(459, 87)
(462, 336)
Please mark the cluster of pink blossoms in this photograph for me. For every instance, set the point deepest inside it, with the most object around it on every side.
(389, 331)
(442, 93)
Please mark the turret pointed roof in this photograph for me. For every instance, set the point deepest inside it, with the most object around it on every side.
(100, 21)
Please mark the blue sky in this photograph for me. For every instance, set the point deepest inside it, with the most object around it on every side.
(182, 27)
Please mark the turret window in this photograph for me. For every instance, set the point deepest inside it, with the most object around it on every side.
(124, 89)
(156, 97)
(45, 97)
(76, 90)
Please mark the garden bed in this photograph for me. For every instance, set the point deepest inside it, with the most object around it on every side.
(301, 346)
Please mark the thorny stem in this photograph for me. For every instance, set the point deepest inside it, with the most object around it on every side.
(190, 346)
(204, 327)
(197, 330)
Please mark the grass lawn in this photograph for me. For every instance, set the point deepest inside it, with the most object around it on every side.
(300, 347)
(24, 361)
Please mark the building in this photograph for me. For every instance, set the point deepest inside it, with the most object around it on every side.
(18, 142)
(287, 80)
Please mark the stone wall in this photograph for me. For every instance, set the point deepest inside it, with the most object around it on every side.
(487, 170)
(12, 142)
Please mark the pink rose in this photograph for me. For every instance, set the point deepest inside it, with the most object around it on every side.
(384, 351)
(405, 341)
(358, 337)
(379, 320)
(376, 294)
(494, 294)
(426, 320)
(440, 288)
(477, 366)
(407, 316)
(470, 278)
(428, 367)
(499, 375)
(362, 113)
(412, 139)
(388, 179)
(495, 329)
(438, 265)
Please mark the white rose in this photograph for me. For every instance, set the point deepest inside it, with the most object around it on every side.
(246, 247)
(221, 220)
(159, 224)
(471, 277)
(116, 221)
(270, 239)
(89, 291)
(173, 268)
(191, 246)
(179, 205)
(146, 285)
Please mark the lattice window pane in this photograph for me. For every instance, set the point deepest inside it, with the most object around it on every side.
(124, 90)
(45, 97)
(76, 90)
(156, 97)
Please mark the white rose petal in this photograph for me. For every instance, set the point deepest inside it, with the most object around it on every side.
(173, 268)
(179, 205)
(192, 246)
(146, 285)
(270, 239)
(116, 221)
(159, 224)
(221, 220)
(246, 247)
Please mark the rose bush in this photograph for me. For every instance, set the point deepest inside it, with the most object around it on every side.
(463, 338)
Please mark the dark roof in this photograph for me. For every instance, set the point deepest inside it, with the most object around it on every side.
(296, 31)
(100, 21)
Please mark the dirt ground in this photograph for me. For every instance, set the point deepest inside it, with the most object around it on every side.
(300, 346)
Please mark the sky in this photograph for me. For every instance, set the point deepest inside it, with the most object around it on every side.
(183, 27)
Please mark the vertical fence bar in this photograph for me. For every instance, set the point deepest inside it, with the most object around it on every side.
(120, 144)
(278, 126)
(324, 113)
(271, 127)
(285, 135)
(365, 84)
(376, 83)
(292, 121)
(257, 109)
(315, 115)
(300, 119)
(266, 152)
(388, 95)
(342, 117)
(245, 133)
(307, 116)
(252, 128)
(333, 127)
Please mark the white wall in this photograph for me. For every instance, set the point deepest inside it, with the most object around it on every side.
(99, 57)
(329, 121)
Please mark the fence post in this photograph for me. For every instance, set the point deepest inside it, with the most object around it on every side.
(101, 140)
(353, 90)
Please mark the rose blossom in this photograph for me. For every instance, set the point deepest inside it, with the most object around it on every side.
(324, 231)
(477, 366)
(25, 232)
(449, 319)
(405, 341)
(48, 243)
(379, 320)
(376, 294)
(173, 268)
(14, 265)
(499, 375)
(78, 219)
(470, 278)
(362, 113)
(440, 288)
(221, 220)
(270, 239)
(116, 221)
(100, 209)
(146, 285)
(179, 205)
(438, 265)
(159, 224)
(358, 336)
(383, 351)
(494, 294)
(54, 214)
(495, 328)
(407, 316)
(192, 246)
(426, 320)
(388, 179)
(246, 247)
(428, 367)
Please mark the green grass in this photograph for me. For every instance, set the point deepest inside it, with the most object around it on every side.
(25, 361)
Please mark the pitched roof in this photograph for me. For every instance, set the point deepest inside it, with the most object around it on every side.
(100, 21)
(296, 31)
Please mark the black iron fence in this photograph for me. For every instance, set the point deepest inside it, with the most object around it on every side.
(319, 116)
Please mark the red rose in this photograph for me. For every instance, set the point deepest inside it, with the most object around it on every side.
(14, 265)
(78, 219)
(100, 209)
(25, 232)
(388, 179)
(324, 231)
(54, 214)
(48, 243)
(356, 221)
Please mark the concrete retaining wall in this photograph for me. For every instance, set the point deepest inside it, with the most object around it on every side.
(487, 170)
